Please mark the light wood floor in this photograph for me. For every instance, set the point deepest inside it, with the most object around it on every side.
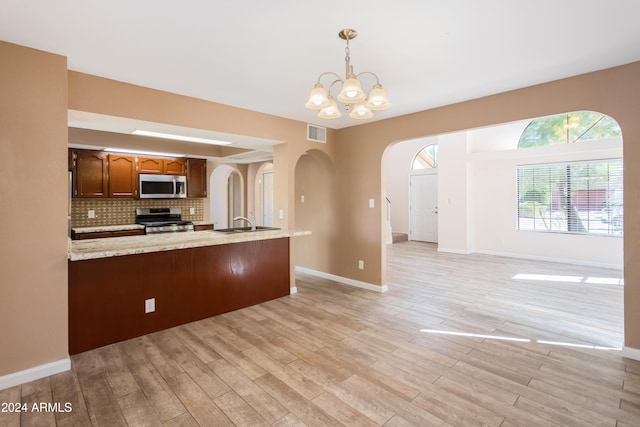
(433, 350)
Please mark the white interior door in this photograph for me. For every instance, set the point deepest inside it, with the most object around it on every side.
(267, 199)
(423, 208)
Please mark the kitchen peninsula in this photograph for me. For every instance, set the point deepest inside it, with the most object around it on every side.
(124, 287)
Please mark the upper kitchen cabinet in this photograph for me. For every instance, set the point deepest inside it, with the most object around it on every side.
(163, 166)
(196, 178)
(150, 165)
(91, 174)
(101, 174)
(175, 166)
(123, 179)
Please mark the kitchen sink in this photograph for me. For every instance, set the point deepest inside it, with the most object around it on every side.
(244, 229)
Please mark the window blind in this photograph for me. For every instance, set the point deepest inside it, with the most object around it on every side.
(573, 197)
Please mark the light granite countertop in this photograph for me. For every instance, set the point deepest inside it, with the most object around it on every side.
(130, 245)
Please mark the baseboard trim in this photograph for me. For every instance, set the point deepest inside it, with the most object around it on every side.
(530, 257)
(550, 259)
(344, 280)
(631, 353)
(35, 373)
(454, 251)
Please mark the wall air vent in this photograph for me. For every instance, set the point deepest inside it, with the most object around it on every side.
(316, 134)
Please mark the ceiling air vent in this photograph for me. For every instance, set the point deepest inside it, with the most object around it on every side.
(316, 134)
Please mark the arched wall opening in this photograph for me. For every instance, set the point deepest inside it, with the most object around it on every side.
(220, 201)
(315, 210)
(399, 162)
(263, 195)
(477, 206)
(478, 195)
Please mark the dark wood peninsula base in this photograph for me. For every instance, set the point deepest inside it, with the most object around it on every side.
(107, 295)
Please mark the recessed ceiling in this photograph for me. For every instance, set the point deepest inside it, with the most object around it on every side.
(266, 56)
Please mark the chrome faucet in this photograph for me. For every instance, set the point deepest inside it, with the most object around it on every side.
(251, 220)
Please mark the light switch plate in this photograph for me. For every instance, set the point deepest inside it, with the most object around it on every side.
(371, 203)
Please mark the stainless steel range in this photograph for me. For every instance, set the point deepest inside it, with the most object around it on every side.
(162, 220)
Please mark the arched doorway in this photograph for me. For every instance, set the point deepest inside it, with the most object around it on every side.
(403, 161)
(234, 197)
(315, 208)
(226, 195)
(484, 210)
(264, 195)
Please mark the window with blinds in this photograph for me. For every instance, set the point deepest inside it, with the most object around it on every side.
(575, 197)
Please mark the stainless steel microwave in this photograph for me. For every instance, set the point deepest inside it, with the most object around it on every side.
(153, 186)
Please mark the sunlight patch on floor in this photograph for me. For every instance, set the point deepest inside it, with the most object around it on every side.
(515, 339)
(572, 279)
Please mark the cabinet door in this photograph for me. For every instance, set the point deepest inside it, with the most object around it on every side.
(123, 179)
(203, 227)
(150, 165)
(175, 167)
(92, 175)
(196, 178)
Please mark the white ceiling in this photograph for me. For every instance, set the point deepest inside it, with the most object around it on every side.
(266, 55)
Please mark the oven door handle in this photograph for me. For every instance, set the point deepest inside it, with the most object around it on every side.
(175, 185)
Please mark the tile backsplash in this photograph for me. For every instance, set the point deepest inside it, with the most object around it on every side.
(123, 211)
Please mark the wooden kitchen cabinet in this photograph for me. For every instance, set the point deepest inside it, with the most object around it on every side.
(175, 166)
(202, 227)
(101, 174)
(106, 234)
(150, 165)
(158, 165)
(91, 174)
(106, 296)
(123, 178)
(196, 178)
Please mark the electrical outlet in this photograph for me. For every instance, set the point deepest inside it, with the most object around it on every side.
(302, 199)
(150, 305)
(371, 203)
(361, 264)
(281, 214)
(91, 213)
(192, 211)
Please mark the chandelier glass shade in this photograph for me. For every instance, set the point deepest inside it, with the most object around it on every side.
(351, 94)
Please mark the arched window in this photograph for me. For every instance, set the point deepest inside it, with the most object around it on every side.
(582, 197)
(426, 158)
(569, 128)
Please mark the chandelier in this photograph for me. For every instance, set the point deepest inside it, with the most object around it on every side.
(351, 95)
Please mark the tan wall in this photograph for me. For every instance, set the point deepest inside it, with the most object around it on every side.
(34, 136)
(614, 92)
(315, 180)
(33, 270)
